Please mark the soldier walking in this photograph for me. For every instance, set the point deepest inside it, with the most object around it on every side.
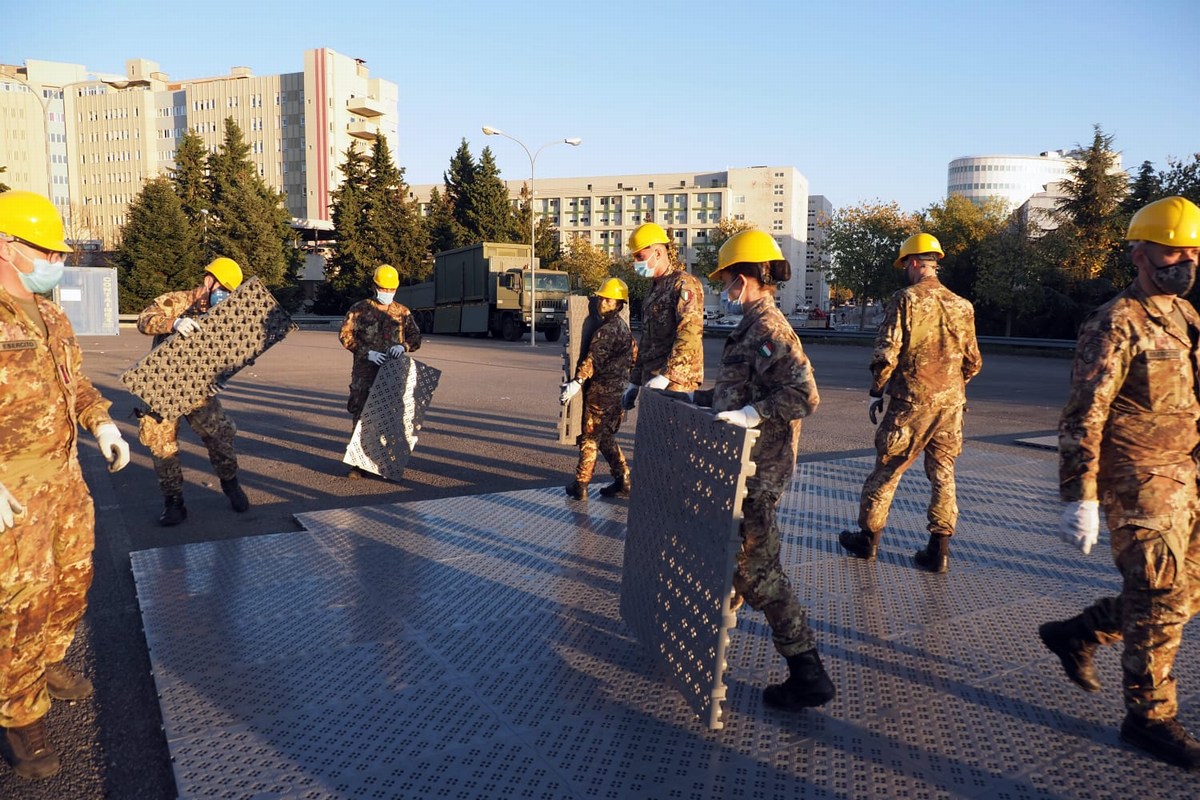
(175, 312)
(671, 355)
(925, 354)
(601, 375)
(374, 330)
(47, 521)
(1128, 440)
(766, 382)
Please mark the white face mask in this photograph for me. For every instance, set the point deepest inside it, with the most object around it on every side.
(45, 276)
(385, 297)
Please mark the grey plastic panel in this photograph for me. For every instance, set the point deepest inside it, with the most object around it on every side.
(683, 541)
(181, 373)
(473, 647)
(386, 433)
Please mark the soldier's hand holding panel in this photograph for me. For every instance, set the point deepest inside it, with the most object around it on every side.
(113, 447)
(569, 390)
(1080, 524)
(396, 351)
(10, 509)
(375, 357)
(744, 417)
(185, 326)
(658, 382)
(629, 396)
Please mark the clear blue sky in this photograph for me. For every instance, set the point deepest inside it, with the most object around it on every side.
(869, 99)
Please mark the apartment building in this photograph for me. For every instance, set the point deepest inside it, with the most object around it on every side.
(816, 260)
(103, 135)
(605, 210)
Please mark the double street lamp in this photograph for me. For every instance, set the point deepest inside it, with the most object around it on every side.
(574, 142)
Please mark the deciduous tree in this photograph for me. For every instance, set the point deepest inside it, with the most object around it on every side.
(863, 241)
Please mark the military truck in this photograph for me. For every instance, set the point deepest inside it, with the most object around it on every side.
(485, 288)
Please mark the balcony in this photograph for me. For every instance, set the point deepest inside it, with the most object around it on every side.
(363, 130)
(365, 107)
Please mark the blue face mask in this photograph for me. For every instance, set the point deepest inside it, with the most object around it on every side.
(217, 295)
(642, 268)
(730, 305)
(45, 276)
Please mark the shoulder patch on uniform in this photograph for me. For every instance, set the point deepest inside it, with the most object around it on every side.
(685, 295)
(766, 348)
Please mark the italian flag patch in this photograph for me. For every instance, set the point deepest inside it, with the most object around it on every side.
(766, 349)
(685, 295)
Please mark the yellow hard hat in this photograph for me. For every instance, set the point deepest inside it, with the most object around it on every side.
(32, 218)
(747, 247)
(647, 234)
(226, 271)
(1173, 221)
(917, 244)
(386, 277)
(613, 289)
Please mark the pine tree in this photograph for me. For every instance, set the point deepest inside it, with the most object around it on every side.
(346, 269)
(190, 178)
(490, 217)
(1143, 189)
(443, 230)
(458, 180)
(393, 217)
(1089, 213)
(249, 221)
(160, 250)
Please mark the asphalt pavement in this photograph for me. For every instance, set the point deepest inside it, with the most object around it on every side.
(491, 428)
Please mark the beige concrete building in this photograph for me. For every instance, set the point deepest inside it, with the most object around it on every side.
(605, 210)
(102, 136)
(816, 260)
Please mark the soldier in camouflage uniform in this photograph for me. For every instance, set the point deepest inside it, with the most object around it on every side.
(671, 355)
(174, 312)
(1128, 441)
(374, 330)
(766, 382)
(46, 515)
(925, 354)
(601, 375)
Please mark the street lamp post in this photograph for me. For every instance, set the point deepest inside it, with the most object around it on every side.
(574, 142)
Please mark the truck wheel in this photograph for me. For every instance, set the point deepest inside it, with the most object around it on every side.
(553, 333)
(510, 330)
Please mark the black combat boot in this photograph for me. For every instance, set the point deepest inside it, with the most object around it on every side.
(576, 490)
(174, 511)
(237, 498)
(64, 683)
(1165, 739)
(32, 755)
(1074, 645)
(807, 685)
(859, 544)
(618, 488)
(935, 557)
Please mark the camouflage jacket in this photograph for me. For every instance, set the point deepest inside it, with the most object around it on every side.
(673, 332)
(611, 353)
(158, 319)
(370, 325)
(926, 350)
(764, 365)
(46, 396)
(1133, 405)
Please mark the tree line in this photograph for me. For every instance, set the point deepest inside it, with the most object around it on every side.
(1026, 276)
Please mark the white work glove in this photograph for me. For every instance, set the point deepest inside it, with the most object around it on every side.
(186, 326)
(10, 509)
(629, 396)
(114, 448)
(569, 390)
(375, 357)
(658, 382)
(396, 351)
(744, 417)
(1080, 524)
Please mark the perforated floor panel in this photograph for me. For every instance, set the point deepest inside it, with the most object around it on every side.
(386, 432)
(473, 648)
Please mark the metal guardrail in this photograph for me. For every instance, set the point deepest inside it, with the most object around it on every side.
(1064, 345)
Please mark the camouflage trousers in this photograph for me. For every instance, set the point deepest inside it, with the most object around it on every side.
(45, 572)
(1152, 520)
(215, 430)
(362, 377)
(905, 432)
(602, 417)
(760, 578)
